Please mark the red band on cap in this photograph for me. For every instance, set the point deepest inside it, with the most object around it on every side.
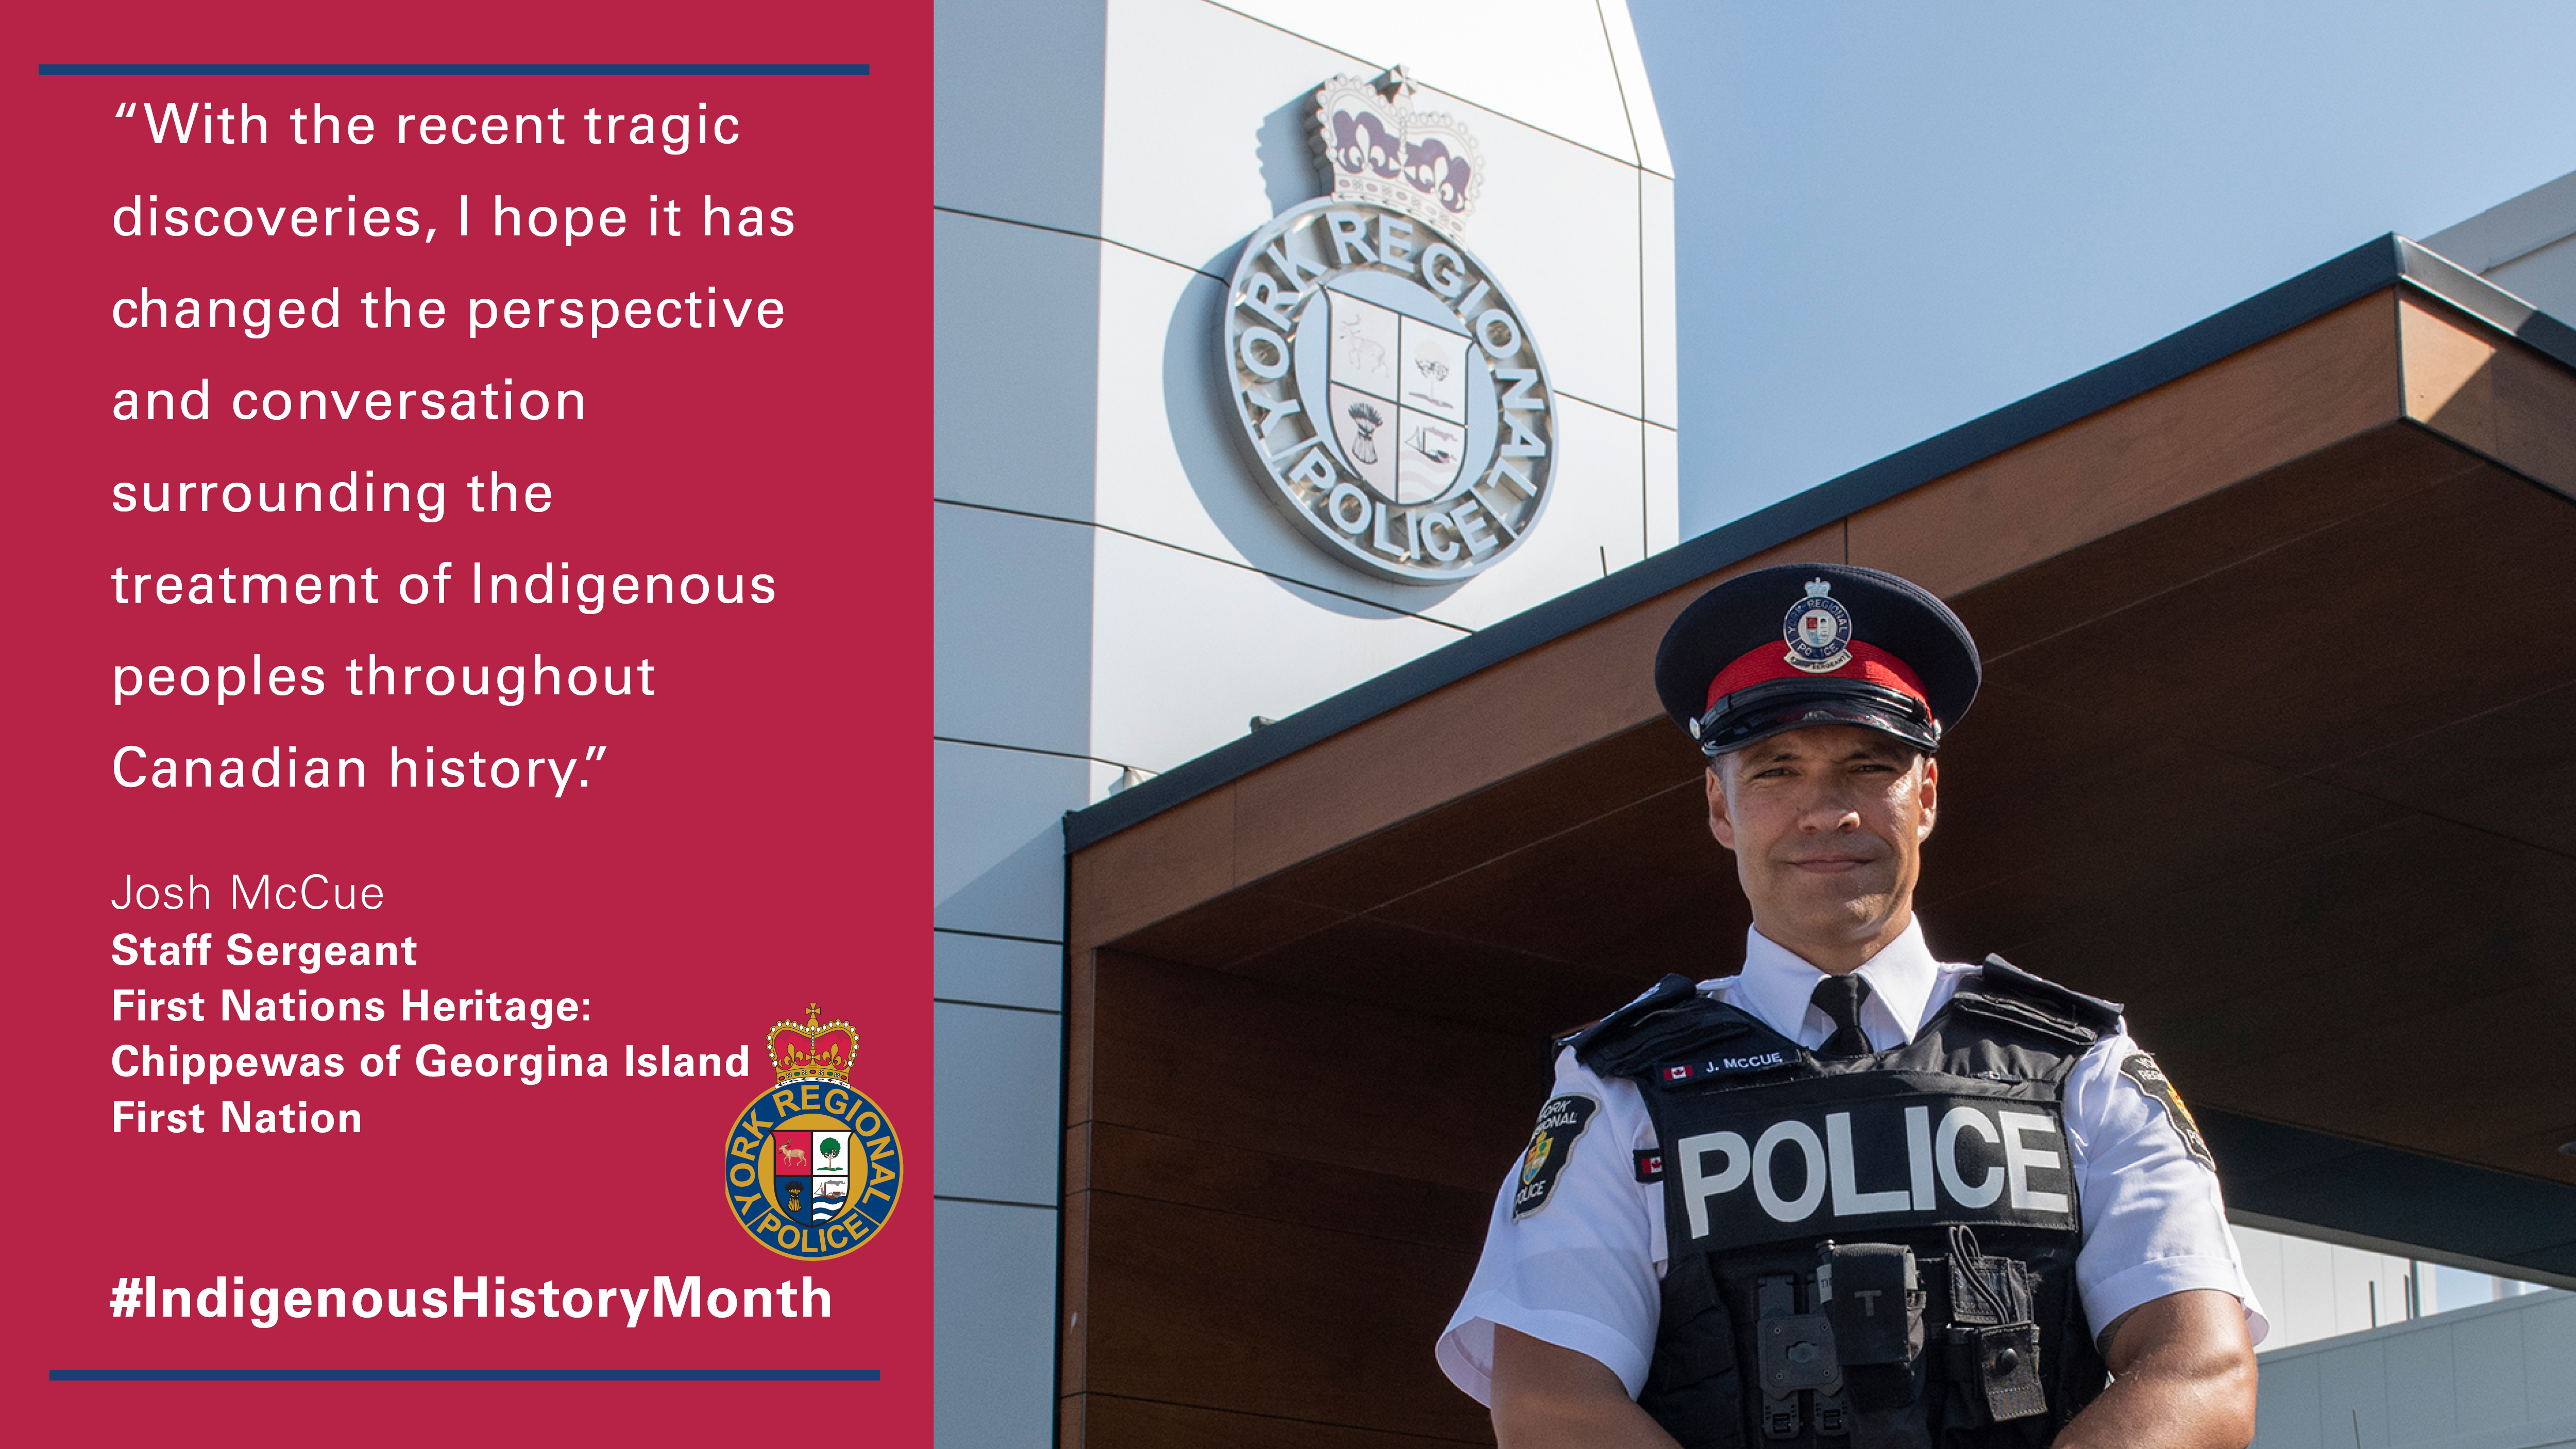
(1869, 663)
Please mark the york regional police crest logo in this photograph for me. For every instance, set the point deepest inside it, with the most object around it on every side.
(812, 1167)
(1551, 1146)
(1819, 630)
(1386, 384)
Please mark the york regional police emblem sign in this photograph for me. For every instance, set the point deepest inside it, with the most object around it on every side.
(812, 1167)
(1386, 384)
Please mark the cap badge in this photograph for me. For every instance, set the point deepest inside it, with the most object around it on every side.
(1819, 630)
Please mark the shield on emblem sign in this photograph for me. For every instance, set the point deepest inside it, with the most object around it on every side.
(791, 1153)
(830, 1191)
(791, 1181)
(1398, 398)
(1434, 385)
(1364, 351)
(1365, 427)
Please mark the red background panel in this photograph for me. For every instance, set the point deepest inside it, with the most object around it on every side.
(750, 841)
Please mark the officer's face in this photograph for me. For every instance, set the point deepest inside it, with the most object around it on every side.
(1827, 825)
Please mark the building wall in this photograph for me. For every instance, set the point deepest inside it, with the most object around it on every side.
(2492, 1377)
(2526, 245)
(2313, 1290)
(1115, 595)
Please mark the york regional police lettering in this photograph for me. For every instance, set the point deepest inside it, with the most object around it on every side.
(1915, 1159)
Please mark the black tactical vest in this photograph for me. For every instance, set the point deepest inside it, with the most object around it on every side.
(1867, 1253)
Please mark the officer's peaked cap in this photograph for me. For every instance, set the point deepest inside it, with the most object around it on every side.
(1811, 644)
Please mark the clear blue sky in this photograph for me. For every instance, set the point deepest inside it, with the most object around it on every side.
(1895, 217)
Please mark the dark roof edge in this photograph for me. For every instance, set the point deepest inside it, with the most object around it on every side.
(2385, 262)
(2394, 1195)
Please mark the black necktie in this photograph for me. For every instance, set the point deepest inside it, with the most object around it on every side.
(1839, 998)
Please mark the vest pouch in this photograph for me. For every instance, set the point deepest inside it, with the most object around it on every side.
(1693, 1388)
(1991, 1345)
(1794, 1362)
(2008, 1367)
(1986, 1290)
(1872, 1295)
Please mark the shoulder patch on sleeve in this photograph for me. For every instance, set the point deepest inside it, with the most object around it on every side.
(2151, 1079)
(1551, 1146)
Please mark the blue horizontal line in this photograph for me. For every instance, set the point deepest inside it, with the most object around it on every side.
(449, 1376)
(197, 69)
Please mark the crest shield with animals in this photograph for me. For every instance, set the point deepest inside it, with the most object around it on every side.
(1398, 391)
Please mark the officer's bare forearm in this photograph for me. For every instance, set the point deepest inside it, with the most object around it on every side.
(1546, 1397)
(2183, 1378)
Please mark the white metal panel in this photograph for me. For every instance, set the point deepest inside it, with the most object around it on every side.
(2286, 1412)
(2512, 228)
(1010, 631)
(997, 863)
(1660, 347)
(2491, 1376)
(2549, 1347)
(1017, 130)
(1558, 227)
(2545, 278)
(1664, 496)
(1000, 1117)
(1206, 129)
(994, 1340)
(1188, 649)
(2260, 1253)
(2421, 1385)
(2355, 1272)
(995, 971)
(1635, 91)
(2352, 1394)
(2488, 1369)
(2305, 1310)
(1544, 62)
(1017, 359)
(1172, 465)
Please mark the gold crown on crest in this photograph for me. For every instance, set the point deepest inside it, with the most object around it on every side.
(1376, 147)
(813, 1051)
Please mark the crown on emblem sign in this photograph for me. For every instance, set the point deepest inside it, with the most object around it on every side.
(1377, 148)
(1819, 588)
(813, 1052)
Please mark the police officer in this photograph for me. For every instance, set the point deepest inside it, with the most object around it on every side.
(1852, 1195)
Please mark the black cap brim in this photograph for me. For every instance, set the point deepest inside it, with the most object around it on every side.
(1804, 704)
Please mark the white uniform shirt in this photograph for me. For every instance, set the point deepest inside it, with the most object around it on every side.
(1582, 1270)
